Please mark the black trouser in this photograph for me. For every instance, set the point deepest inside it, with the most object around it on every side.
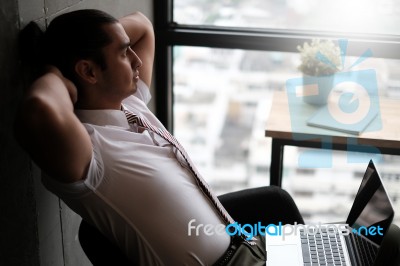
(268, 205)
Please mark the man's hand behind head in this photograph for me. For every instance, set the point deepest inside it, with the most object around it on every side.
(48, 129)
(69, 85)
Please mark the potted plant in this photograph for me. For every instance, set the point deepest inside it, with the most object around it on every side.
(320, 60)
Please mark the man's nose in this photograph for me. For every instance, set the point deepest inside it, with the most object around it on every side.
(136, 62)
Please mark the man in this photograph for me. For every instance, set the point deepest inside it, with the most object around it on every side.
(127, 180)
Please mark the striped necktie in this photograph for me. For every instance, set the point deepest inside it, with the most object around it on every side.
(143, 122)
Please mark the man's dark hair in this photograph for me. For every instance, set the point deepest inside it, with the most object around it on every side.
(76, 35)
(69, 37)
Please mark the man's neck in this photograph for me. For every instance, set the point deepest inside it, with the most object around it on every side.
(97, 105)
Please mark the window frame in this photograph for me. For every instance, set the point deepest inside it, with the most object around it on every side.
(169, 33)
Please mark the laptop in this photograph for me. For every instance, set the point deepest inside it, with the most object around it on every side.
(354, 243)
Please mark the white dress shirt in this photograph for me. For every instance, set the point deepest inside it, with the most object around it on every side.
(140, 193)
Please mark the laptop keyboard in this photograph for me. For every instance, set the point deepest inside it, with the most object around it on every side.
(366, 250)
(321, 248)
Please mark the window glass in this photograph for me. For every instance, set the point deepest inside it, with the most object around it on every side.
(222, 100)
(358, 16)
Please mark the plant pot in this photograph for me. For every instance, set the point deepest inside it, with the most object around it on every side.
(316, 89)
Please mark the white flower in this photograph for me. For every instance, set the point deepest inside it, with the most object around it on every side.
(319, 58)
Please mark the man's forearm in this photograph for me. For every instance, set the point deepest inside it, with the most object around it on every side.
(140, 31)
(137, 26)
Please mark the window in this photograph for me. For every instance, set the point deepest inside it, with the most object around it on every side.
(356, 16)
(218, 64)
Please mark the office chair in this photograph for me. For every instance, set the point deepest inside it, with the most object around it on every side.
(99, 250)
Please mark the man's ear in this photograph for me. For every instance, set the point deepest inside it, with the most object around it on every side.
(86, 71)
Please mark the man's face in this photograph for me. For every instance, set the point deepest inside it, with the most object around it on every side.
(119, 79)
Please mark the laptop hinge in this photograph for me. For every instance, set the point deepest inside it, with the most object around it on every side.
(353, 253)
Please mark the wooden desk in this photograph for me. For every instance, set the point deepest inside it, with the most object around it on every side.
(279, 128)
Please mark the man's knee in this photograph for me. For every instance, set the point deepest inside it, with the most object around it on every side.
(269, 204)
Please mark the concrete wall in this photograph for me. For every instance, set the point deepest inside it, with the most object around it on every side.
(36, 228)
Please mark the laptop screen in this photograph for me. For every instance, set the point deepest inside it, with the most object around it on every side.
(372, 211)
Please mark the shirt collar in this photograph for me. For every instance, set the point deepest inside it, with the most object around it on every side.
(104, 117)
